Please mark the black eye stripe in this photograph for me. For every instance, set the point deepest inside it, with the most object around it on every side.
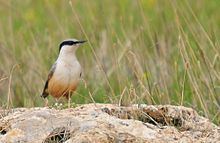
(67, 43)
(70, 43)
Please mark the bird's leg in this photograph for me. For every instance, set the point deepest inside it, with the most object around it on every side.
(45, 102)
(69, 99)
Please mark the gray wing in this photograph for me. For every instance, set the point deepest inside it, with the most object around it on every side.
(45, 92)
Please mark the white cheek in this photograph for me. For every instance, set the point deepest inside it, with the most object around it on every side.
(67, 49)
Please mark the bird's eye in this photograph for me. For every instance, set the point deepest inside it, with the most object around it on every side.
(71, 42)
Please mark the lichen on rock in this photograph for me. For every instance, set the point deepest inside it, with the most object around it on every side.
(106, 123)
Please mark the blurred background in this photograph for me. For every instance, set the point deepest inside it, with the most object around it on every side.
(143, 51)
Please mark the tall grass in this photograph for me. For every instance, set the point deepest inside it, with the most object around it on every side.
(153, 51)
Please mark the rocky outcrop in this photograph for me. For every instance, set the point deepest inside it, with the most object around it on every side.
(106, 123)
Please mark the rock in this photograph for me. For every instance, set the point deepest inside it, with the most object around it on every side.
(106, 123)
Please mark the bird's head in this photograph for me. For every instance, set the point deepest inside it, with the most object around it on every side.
(70, 45)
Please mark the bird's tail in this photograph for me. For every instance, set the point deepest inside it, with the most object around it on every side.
(44, 94)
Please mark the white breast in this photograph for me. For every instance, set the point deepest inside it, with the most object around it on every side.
(67, 72)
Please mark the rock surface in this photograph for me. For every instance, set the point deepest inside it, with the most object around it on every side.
(106, 123)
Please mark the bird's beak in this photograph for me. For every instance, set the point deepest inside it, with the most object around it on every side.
(81, 41)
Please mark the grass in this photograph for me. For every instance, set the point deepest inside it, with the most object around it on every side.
(146, 51)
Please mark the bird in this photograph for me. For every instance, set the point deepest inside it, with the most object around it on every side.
(65, 73)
